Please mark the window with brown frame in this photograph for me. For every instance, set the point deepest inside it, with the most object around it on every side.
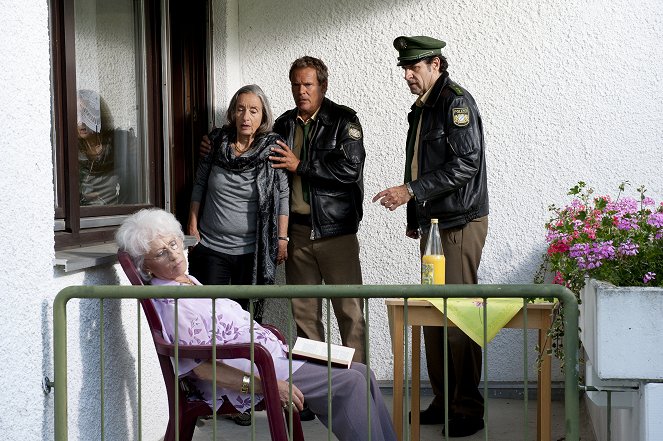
(106, 115)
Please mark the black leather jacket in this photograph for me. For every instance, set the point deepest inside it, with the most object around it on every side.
(451, 184)
(334, 168)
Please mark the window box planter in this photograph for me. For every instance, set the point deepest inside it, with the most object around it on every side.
(622, 335)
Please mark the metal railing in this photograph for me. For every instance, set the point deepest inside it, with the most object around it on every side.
(565, 297)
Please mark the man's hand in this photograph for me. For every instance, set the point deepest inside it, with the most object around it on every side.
(205, 146)
(393, 197)
(412, 233)
(284, 158)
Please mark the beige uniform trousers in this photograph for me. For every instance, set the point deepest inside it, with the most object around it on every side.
(462, 248)
(334, 260)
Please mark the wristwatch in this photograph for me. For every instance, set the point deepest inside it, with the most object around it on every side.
(409, 189)
(246, 381)
(286, 238)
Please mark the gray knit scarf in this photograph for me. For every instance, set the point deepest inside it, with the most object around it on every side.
(264, 264)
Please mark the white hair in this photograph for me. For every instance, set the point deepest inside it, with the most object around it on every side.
(141, 228)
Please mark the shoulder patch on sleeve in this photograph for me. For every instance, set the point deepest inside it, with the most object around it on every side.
(354, 131)
(461, 116)
(456, 88)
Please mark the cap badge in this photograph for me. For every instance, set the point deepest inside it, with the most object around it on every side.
(461, 116)
(401, 43)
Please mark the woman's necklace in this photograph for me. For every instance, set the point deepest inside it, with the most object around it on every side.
(238, 149)
(184, 280)
(241, 150)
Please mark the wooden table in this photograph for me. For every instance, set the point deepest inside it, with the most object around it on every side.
(423, 313)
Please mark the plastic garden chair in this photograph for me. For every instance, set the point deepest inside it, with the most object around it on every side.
(188, 409)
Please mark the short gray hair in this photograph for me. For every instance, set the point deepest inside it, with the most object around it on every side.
(141, 228)
(267, 115)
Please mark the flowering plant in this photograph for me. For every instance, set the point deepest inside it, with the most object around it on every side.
(616, 240)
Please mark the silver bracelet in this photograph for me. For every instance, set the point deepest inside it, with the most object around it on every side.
(409, 189)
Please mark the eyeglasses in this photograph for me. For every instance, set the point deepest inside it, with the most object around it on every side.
(172, 247)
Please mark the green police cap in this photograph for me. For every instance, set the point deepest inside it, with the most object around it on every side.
(412, 49)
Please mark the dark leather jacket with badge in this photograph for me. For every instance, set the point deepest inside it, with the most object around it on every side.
(333, 170)
(451, 184)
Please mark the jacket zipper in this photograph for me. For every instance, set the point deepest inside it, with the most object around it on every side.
(309, 155)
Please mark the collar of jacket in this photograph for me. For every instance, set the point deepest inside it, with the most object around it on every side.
(324, 114)
(437, 91)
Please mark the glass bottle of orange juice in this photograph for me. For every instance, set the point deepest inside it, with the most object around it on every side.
(433, 262)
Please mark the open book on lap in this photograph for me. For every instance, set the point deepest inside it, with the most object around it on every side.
(317, 352)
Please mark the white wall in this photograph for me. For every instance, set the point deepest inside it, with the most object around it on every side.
(26, 198)
(567, 92)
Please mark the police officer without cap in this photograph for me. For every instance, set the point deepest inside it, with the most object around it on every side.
(324, 154)
(445, 178)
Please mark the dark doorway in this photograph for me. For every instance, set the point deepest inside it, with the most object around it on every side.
(188, 49)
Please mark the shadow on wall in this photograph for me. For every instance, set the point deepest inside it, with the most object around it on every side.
(119, 369)
(47, 369)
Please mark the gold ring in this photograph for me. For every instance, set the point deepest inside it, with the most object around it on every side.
(285, 405)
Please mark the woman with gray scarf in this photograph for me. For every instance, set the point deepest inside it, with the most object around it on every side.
(242, 226)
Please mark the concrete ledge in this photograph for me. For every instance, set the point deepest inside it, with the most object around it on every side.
(95, 255)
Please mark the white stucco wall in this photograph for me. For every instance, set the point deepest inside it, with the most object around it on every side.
(567, 92)
(26, 198)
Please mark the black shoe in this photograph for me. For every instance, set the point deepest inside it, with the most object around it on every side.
(463, 426)
(306, 414)
(242, 419)
(432, 415)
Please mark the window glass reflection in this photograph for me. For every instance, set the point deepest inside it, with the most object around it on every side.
(110, 104)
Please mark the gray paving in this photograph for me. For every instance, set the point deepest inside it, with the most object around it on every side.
(505, 423)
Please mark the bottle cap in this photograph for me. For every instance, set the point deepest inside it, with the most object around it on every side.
(433, 221)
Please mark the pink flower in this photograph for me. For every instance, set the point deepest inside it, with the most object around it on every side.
(655, 220)
(604, 238)
(649, 277)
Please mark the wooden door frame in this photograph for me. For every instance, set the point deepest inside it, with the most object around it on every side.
(189, 39)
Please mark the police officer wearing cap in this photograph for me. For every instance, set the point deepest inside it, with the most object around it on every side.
(445, 178)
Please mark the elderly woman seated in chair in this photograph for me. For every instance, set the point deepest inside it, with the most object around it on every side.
(154, 240)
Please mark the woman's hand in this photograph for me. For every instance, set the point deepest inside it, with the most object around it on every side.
(193, 231)
(284, 395)
(192, 228)
(282, 255)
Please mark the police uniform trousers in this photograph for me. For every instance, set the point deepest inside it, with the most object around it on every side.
(349, 397)
(336, 261)
(462, 248)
